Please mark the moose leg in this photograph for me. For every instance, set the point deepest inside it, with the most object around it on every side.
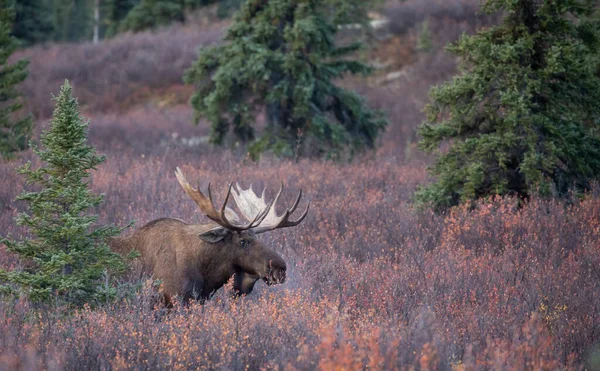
(243, 283)
(193, 290)
(167, 300)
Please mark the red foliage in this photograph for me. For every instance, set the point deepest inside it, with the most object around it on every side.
(372, 283)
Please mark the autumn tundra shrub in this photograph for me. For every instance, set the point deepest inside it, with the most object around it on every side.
(113, 73)
(370, 281)
(406, 16)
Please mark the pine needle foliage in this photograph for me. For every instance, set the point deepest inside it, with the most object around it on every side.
(150, 14)
(67, 255)
(14, 130)
(33, 21)
(523, 115)
(281, 58)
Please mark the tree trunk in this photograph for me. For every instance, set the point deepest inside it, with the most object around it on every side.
(96, 21)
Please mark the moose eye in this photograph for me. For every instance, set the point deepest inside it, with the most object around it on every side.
(243, 244)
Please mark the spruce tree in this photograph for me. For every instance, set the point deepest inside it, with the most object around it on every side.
(67, 254)
(424, 42)
(149, 14)
(115, 12)
(14, 130)
(72, 20)
(226, 8)
(33, 21)
(280, 57)
(523, 115)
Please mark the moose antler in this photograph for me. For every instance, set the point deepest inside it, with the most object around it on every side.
(220, 217)
(251, 206)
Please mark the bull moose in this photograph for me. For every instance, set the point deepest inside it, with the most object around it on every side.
(195, 260)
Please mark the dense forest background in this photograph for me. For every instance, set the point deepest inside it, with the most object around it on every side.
(42, 21)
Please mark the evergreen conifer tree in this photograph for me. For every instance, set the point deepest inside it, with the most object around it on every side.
(226, 8)
(424, 42)
(149, 14)
(281, 56)
(14, 131)
(524, 112)
(72, 20)
(115, 12)
(67, 254)
(33, 21)
(140, 15)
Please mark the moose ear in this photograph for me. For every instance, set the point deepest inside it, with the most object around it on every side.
(214, 235)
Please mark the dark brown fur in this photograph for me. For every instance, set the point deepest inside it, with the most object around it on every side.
(195, 260)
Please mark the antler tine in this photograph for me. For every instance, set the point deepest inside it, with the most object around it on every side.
(278, 195)
(253, 208)
(206, 204)
(300, 219)
(253, 223)
(274, 222)
(263, 214)
(297, 202)
(209, 192)
(222, 211)
(258, 219)
(272, 205)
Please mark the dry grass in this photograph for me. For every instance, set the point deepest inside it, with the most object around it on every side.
(372, 283)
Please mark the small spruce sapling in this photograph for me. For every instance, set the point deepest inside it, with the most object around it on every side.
(66, 254)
